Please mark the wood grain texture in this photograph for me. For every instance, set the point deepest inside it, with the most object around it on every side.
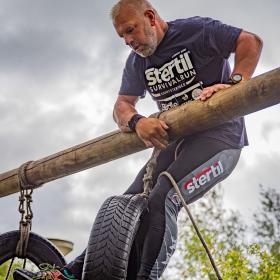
(239, 100)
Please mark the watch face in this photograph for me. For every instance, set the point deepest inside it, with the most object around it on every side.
(196, 92)
(236, 78)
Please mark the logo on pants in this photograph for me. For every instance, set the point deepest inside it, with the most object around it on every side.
(205, 176)
(176, 200)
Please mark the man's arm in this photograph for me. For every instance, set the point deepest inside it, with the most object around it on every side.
(124, 109)
(151, 131)
(247, 54)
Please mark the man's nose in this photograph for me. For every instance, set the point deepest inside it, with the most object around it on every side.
(128, 40)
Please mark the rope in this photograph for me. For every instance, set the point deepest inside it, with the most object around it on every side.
(174, 184)
(25, 199)
(23, 181)
(148, 177)
(21, 248)
(150, 168)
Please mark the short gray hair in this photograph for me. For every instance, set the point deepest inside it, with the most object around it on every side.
(139, 5)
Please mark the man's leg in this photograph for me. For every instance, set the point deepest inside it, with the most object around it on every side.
(165, 158)
(76, 266)
(161, 235)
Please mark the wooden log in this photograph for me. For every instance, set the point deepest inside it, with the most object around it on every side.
(239, 100)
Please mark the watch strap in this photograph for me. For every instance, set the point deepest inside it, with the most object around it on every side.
(133, 121)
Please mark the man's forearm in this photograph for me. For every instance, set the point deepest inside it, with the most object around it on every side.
(122, 113)
(247, 55)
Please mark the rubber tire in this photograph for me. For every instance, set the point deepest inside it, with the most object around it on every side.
(39, 249)
(112, 236)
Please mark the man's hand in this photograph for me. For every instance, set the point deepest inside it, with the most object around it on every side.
(152, 132)
(209, 91)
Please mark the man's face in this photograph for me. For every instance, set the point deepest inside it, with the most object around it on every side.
(137, 31)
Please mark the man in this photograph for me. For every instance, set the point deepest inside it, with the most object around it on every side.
(176, 62)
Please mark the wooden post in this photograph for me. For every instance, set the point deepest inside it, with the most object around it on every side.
(239, 100)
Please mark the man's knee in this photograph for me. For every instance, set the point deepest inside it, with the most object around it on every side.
(198, 182)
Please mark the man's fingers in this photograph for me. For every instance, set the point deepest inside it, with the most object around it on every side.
(163, 124)
(148, 144)
(162, 133)
(202, 97)
(153, 132)
(220, 87)
(155, 142)
(159, 144)
(209, 91)
(224, 86)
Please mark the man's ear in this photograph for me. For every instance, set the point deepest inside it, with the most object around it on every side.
(151, 15)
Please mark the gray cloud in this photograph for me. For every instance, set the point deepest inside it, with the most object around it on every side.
(60, 69)
(243, 186)
(268, 128)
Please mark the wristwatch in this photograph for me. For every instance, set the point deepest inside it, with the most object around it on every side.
(133, 121)
(235, 79)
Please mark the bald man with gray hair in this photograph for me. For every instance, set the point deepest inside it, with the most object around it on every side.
(139, 5)
(175, 62)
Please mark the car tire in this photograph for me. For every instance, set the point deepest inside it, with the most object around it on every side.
(112, 237)
(39, 249)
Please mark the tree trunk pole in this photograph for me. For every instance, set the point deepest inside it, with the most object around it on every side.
(239, 100)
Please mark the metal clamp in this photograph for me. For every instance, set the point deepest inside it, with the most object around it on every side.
(25, 200)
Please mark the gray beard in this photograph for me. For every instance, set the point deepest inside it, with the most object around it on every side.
(147, 51)
(151, 46)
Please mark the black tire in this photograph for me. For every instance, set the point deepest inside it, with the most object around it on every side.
(39, 249)
(112, 236)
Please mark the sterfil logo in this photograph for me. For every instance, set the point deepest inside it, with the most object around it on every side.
(204, 176)
(179, 65)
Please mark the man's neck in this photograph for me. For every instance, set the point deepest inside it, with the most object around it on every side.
(162, 29)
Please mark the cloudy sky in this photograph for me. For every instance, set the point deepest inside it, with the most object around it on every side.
(60, 70)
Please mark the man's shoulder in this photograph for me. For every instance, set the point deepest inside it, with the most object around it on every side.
(195, 21)
(134, 61)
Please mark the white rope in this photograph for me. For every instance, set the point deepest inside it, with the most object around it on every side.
(174, 184)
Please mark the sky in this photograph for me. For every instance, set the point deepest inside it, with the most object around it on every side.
(60, 70)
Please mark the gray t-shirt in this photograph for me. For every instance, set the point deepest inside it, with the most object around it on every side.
(193, 54)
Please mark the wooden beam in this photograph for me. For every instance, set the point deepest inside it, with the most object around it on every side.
(239, 100)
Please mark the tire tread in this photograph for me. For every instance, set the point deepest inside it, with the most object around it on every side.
(112, 236)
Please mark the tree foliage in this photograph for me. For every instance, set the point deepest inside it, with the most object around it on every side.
(4, 269)
(240, 251)
(17, 263)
